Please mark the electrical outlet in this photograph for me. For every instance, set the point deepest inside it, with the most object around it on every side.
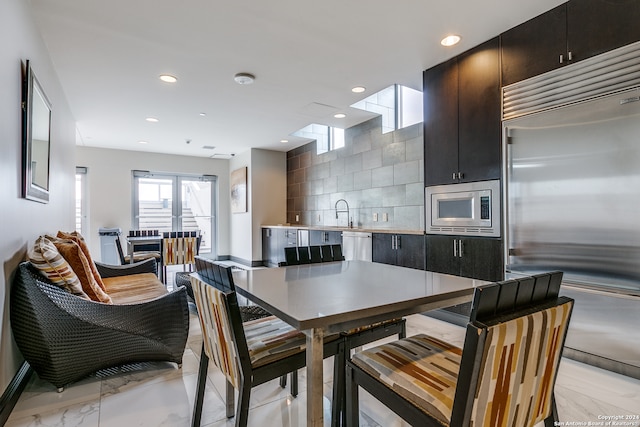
(385, 216)
(375, 217)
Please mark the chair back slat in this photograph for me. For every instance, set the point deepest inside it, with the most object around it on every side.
(525, 291)
(540, 287)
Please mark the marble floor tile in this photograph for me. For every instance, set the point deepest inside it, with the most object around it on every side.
(160, 394)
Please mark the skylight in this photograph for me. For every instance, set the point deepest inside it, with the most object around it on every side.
(399, 106)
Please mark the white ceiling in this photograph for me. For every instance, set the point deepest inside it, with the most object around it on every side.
(306, 56)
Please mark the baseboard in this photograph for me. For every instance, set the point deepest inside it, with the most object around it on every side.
(14, 390)
(602, 362)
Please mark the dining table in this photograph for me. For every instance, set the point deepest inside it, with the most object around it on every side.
(326, 298)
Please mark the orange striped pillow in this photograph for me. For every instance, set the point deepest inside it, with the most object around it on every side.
(77, 237)
(46, 258)
(72, 252)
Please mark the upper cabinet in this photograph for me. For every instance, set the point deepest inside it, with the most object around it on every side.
(462, 117)
(567, 34)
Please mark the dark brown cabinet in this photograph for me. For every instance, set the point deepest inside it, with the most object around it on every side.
(475, 257)
(462, 134)
(567, 34)
(404, 250)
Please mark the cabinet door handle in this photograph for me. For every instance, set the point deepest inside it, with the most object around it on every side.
(569, 56)
(393, 242)
(454, 175)
(455, 248)
(460, 175)
(397, 242)
(561, 59)
(460, 247)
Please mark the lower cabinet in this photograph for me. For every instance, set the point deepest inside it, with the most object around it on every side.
(475, 257)
(321, 237)
(274, 240)
(404, 250)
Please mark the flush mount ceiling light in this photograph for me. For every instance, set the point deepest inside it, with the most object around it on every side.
(340, 115)
(284, 141)
(168, 78)
(450, 40)
(152, 119)
(244, 78)
(143, 142)
(358, 89)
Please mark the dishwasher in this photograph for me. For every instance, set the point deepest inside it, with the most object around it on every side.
(356, 245)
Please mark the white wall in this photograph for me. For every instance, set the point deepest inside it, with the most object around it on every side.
(110, 184)
(266, 201)
(22, 221)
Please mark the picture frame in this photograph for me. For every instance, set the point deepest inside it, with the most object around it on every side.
(36, 137)
(239, 190)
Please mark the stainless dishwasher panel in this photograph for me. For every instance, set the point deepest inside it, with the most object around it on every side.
(356, 245)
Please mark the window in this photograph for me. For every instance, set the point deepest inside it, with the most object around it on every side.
(327, 138)
(167, 202)
(400, 106)
(81, 200)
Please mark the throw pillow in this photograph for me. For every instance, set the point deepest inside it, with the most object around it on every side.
(77, 237)
(46, 258)
(71, 251)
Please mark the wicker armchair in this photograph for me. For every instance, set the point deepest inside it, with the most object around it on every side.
(65, 338)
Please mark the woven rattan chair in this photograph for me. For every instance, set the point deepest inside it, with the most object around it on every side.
(503, 376)
(65, 338)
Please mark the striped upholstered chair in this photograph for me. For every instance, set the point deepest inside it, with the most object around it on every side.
(179, 248)
(503, 376)
(248, 354)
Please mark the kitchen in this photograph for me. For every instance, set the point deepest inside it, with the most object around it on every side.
(382, 177)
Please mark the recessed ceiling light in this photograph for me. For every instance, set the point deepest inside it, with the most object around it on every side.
(168, 78)
(203, 114)
(244, 78)
(358, 89)
(284, 141)
(152, 119)
(143, 142)
(450, 40)
(340, 115)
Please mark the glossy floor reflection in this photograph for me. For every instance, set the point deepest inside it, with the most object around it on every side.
(160, 394)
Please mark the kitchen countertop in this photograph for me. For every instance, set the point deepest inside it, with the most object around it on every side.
(332, 228)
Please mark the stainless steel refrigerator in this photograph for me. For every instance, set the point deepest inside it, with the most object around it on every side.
(572, 203)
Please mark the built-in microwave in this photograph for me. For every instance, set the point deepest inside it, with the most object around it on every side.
(471, 208)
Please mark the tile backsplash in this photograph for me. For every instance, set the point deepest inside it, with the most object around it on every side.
(379, 175)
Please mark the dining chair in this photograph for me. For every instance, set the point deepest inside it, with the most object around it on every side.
(325, 251)
(291, 255)
(315, 254)
(249, 353)
(179, 248)
(137, 256)
(336, 252)
(504, 375)
(303, 255)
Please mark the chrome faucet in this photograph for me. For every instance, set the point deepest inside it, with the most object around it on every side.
(350, 222)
